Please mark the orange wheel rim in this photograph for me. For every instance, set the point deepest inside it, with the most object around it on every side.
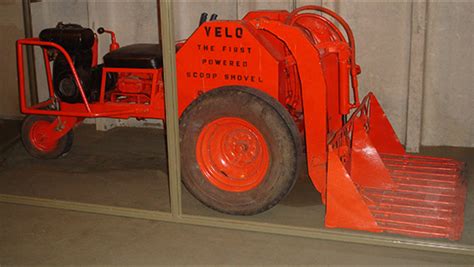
(232, 154)
(39, 138)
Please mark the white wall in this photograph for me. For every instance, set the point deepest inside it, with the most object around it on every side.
(132, 21)
(187, 14)
(384, 33)
(11, 29)
(448, 110)
(46, 14)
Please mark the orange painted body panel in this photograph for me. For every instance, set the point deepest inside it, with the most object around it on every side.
(224, 53)
(343, 193)
(314, 98)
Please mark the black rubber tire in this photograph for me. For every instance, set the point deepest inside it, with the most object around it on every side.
(274, 123)
(63, 147)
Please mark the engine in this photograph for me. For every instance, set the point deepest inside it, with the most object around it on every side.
(78, 42)
(122, 86)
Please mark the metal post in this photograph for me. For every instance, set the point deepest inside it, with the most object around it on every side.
(165, 13)
(30, 58)
(419, 18)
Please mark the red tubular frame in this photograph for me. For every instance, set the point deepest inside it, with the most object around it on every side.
(48, 72)
(87, 109)
(38, 42)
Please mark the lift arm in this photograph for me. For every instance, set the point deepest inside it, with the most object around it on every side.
(314, 92)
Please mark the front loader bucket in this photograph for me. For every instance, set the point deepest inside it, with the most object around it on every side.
(373, 185)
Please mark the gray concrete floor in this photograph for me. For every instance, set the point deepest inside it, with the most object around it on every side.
(120, 168)
(32, 235)
(9, 133)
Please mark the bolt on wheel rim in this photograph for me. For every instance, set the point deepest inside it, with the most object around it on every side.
(39, 138)
(232, 154)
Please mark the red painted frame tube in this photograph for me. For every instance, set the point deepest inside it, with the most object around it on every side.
(37, 42)
(43, 104)
(85, 109)
(47, 67)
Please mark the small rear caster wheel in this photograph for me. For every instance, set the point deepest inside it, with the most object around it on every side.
(36, 141)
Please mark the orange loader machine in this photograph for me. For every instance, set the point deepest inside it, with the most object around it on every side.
(258, 98)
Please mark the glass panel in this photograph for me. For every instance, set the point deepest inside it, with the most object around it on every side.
(116, 162)
(221, 139)
(119, 166)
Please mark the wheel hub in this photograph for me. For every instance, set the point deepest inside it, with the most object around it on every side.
(39, 137)
(232, 154)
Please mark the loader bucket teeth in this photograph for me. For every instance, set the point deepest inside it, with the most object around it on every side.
(389, 190)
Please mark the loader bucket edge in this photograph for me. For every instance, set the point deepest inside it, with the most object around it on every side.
(373, 185)
(381, 132)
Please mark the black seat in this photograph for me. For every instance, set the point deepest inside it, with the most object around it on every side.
(141, 56)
